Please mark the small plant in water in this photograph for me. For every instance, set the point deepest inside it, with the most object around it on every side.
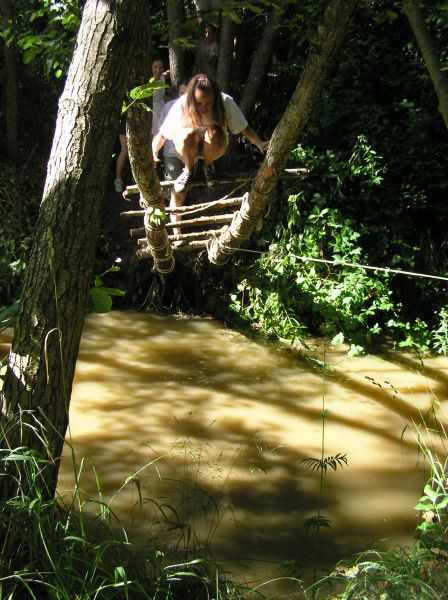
(321, 465)
(416, 573)
(100, 296)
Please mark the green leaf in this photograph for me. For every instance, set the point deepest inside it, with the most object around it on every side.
(100, 301)
(29, 55)
(119, 573)
(421, 506)
(147, 90)
(8, 313)
(74, 538)
(114, 291)
(316, 522)
(432, 495)
(442, 504)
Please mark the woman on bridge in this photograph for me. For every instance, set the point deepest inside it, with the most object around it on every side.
(198, 124)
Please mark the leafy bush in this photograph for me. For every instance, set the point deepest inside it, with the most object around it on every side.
(46, 33)
(310, 279)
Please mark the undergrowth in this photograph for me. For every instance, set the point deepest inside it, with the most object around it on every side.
(19, 203)
(310, 278)
(419, 572)
(75, 546)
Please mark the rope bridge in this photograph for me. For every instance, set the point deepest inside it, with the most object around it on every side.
(210, 218)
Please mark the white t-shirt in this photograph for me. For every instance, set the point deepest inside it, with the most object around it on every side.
(178, 117)
(168, 147)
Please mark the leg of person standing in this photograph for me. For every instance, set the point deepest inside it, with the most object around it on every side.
(122, 157)
(173, 168)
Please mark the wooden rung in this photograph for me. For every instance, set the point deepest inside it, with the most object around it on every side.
(286, 174)
(185, 209)
(206, 205)
(201, 221)
(143, 253)
(190, 246)
(195, 235)
(143, 245)
(180, 236)
(131, 190)
(188, 223)
(139, 231)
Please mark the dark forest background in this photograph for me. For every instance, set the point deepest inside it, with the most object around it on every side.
(376, 147)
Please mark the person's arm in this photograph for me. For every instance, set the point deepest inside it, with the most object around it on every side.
(255, 139)
(157, 143)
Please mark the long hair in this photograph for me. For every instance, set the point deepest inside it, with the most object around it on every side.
(209, 86)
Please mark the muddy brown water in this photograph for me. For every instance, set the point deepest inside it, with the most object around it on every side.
(216, 425)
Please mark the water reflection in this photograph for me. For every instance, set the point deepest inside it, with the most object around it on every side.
(192, 400)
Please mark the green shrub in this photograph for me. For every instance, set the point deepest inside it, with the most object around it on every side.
(309, 279)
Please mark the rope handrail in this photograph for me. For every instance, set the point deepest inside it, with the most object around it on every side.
(342, 263)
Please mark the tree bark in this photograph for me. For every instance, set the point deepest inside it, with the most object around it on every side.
(439, 78)
(239, 65)
(225, 53)
(12, 127)
(329, 40)
(36, 395)
(138, 125)
(260, 63)
(175, 12)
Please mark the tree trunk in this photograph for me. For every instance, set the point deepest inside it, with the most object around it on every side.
(260, 63)
(439, 78)
(175, 12)
(12, 129)
(36, 395)
(138, 125)
(239, 65)
(225, 53)
(329, 40)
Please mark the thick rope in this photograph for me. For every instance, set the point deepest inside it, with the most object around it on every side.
(163, 248)
(159, 269)
(244, 214)
(225, 250)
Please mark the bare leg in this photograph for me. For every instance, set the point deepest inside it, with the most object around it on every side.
(176, 200)
(121, 158)
(188, 146)
(215, 145)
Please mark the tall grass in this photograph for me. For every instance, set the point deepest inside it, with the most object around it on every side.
(75, 547)
(418, 572)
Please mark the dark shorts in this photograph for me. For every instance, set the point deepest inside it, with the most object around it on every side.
(173, 167)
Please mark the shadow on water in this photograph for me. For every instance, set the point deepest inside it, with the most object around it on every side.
(223, 422)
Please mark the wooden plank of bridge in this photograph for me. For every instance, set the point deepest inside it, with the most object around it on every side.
(133, 190)
(195, 240)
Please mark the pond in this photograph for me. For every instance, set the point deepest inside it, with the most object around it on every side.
(217, 426)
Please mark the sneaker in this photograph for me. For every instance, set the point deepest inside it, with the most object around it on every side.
(181, 182)
(118, 185)
(210, 177)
